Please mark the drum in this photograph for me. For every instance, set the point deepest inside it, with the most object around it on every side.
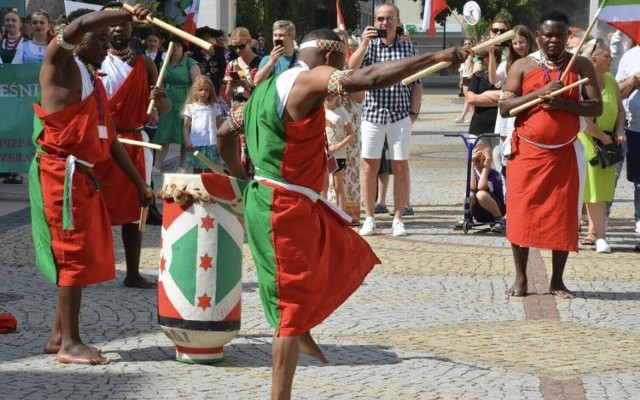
(200, 270)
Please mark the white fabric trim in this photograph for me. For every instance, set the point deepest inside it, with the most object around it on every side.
(117, 71)
(87, 81)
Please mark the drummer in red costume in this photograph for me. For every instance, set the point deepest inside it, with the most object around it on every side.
(546, 171)
(73, 132)
(308, 259)
(129, 80)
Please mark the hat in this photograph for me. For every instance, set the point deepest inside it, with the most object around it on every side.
(176, 39)
(8, 323)
(205, 30)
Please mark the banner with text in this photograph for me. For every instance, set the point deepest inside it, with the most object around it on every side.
(18, 87)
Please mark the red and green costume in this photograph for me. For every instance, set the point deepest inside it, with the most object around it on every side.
(128, 109)
(70, 222)
(308, 259)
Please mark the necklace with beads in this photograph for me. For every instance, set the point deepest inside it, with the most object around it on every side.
(12, 43)
(552, 65)
(126, 55)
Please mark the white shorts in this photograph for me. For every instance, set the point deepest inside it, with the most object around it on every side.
(398, 135)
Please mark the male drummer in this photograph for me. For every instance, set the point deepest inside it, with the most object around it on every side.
(129, 80)
(71, 230)
(308, 259)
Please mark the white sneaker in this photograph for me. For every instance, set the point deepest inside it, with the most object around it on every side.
(398, 228)
(602, 246)
(637, 226)
(368, 228)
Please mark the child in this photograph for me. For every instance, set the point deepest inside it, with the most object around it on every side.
(487, 198)
(202, 118)
(339, 132)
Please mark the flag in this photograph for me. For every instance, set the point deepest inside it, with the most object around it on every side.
(431, 10)
(623, 15)
(190, 8)
(340, 18)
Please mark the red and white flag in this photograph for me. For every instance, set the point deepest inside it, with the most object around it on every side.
(431, 10)
(623, 15)
(340, 18)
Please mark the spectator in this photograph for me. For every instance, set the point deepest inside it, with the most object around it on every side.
(12, 36)
(283, 56)
(388, 113)
(465, 70)
(212, 64)
(600, 182)
(153, 49)
(260, 49)
(628, 78)
(180, 72)
(32, 51)
(240, 73)
(575, 35)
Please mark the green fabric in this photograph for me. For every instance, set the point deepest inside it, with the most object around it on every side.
(7, 55)
(600, 182)
(45, 261)
(257, 215)
(177, 83)
(265, 130)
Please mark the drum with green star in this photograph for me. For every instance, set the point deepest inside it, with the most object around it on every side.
(200, 272)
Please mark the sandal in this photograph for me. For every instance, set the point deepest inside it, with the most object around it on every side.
(589, 240)
(13, 179)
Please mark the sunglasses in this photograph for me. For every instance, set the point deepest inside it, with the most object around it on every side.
(239, 46)
(498, 30)
(388, 18)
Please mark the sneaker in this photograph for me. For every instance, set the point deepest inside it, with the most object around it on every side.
(637, 226)
(368, 228)
(458, 120)
(458, 226)
(397, 228)
(602, 246)
(380, 209)
(499, 227)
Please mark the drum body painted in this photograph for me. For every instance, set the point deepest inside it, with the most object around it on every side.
(200, 271)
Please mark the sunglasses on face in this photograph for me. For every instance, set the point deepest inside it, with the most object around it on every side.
(388, 18)
(498, 30)
(239, 46)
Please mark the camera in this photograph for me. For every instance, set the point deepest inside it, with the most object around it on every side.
(278, 42)
(382, 33)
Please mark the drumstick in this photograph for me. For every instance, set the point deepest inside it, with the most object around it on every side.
(208, 163)
(166, 61)
(533, 102)
(444, 64)
(178, 32)
(141, 144)
(143, 219)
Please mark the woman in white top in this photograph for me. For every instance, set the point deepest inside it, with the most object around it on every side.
(32, 51)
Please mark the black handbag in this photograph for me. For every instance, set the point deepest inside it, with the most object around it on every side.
(608, 154)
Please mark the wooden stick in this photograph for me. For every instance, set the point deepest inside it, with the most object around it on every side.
(143, 219)
(166, 62)
(178, 32)
(533, 102)
(213, 167)
(141, 144)
(444, 64)
(576, 51)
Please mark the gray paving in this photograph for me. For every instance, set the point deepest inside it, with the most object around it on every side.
(431, 322)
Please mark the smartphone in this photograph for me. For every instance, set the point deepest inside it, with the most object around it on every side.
(382, 33)
(234, 75)
(278, 42)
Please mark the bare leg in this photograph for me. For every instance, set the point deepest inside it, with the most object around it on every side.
(310, 347)
(400, 184)
(284, 352)
(383, 185)
(597, 216)
(132, 240)
(338, 185)
(557, 287)
(520, 258)
(160, 156)
(53, 344)
(72, 350)
(183, 156)
(371, 167)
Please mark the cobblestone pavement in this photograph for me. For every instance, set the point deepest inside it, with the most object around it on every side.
(431, 322)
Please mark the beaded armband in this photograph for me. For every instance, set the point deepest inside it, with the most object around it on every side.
(335, 86)
(236, 120)
(506, 95)
(60, 39)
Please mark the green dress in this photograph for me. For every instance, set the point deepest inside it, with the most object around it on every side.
(600, 183)
(177, 82)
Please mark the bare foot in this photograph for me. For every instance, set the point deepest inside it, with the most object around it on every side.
(53, 347)
(138, 282)
(517, 290)
(562, 292)
(309, 346)
(78, 353)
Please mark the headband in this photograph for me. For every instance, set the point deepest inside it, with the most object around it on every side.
(325, 44)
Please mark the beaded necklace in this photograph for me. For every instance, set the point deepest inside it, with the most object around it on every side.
(555, 65)
(126, 55)
(10, 43)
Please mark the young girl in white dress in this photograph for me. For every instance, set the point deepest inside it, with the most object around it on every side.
(202, 118)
